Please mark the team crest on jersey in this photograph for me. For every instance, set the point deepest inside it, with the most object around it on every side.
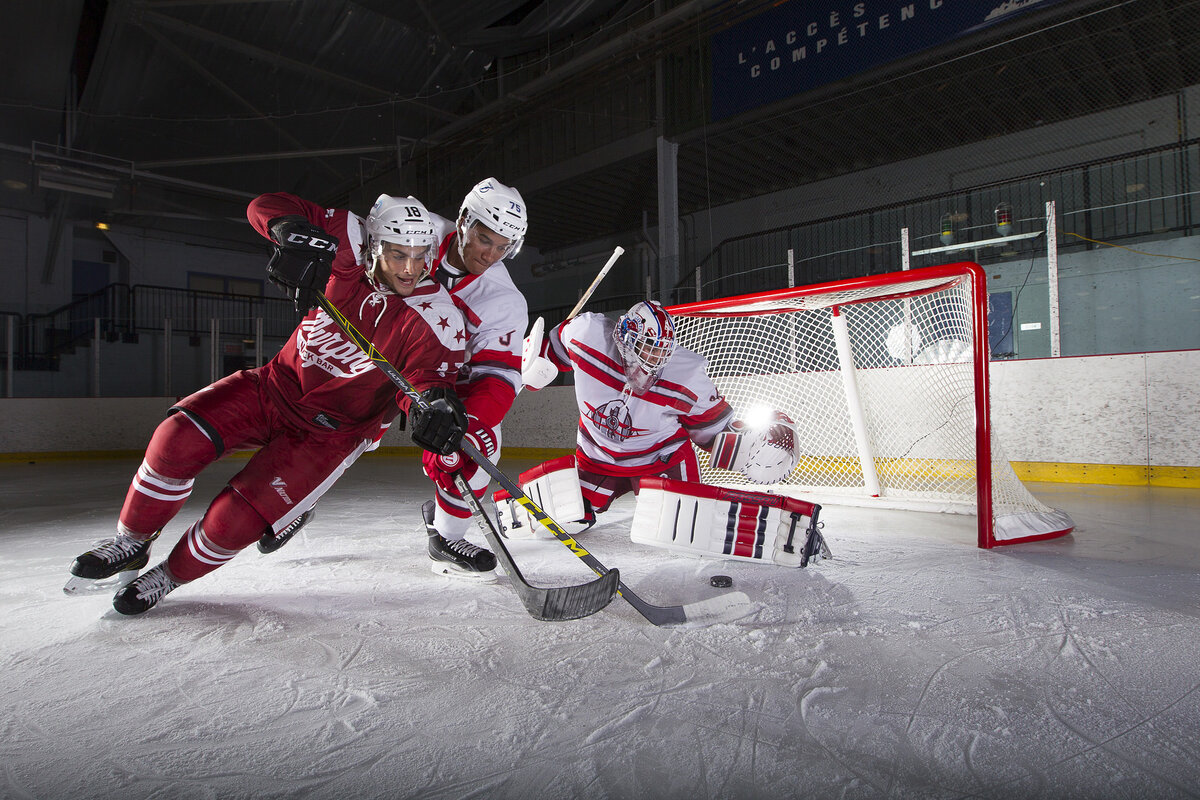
(614, 420)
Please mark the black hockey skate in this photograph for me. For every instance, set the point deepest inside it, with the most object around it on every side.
(140, 594)
(272, 541)
(458, 559)
(110, 563)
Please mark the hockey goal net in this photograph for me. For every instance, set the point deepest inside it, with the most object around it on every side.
(886, 378)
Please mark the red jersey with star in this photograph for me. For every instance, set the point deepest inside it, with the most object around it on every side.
(625, 434)
(321, 379)
(496, 316)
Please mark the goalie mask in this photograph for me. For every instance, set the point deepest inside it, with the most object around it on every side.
(403, 222)
(498, 208)
(645, 337)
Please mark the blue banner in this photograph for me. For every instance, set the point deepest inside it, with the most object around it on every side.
(800, 45)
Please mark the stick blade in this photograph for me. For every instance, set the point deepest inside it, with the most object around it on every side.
(722, 608)
(561, 603)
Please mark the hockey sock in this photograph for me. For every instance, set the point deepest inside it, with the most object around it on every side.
(452, 518)
(230, 525)
(177, 453)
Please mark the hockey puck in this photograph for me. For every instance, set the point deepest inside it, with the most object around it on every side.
(721, 581)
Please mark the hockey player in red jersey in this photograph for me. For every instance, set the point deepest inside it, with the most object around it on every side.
(491, 227)
(643, 402)
(313, 409)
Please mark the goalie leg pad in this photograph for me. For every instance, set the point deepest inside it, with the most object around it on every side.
(696, 519)
(554, 486)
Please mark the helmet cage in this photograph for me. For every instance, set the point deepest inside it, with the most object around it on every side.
(404, 222)
(498, 208)
(645, 338)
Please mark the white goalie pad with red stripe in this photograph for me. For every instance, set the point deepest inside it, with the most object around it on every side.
(697, 519)
(554, 486)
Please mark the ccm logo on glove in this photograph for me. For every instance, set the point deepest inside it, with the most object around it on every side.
(315, 242)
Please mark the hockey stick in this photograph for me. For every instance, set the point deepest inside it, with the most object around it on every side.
(554, 604)
(617, 251)
(723, 606)
(551, 603)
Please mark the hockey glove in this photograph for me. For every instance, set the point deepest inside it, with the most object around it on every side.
(764, 453)
(303, 259)
(441, 469)
(439, 427)
(537, 371)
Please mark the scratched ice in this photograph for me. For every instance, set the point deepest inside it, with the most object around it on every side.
(911, 665)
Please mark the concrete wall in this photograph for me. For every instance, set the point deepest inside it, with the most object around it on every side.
(1135, 410)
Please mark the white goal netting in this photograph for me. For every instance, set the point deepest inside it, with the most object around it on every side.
(886, 380)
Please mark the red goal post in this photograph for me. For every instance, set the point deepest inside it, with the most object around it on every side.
(886, 378)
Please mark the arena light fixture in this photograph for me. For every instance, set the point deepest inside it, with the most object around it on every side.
(75, 182)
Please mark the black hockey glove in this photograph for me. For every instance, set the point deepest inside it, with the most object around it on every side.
(440, 428)
(303, 259)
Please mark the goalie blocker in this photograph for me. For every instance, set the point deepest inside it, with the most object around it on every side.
(698, 519)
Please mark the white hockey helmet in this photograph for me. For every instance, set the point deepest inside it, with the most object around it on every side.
(645, 337)
(404, 221)
(500, 208)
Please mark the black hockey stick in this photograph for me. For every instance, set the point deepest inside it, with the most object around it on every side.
(730, 605)
(547, 604)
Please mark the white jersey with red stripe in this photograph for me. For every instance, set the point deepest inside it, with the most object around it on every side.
(626, 434)
(496, 315)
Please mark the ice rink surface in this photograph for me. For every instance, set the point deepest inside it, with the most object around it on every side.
(912, 665)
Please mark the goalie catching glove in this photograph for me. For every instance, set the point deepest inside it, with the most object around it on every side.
(764, 454)
(441, 468)
(537, 371)
(302, 261)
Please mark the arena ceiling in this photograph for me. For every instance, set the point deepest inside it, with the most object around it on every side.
(173, 113)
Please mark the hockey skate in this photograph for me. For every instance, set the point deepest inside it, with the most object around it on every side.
(272, 541)
(458, 559)
(110, 564)
(140, 594)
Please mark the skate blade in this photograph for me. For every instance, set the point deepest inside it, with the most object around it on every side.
(449, 571)
(77, 586)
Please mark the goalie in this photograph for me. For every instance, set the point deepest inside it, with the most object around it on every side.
(642, 402)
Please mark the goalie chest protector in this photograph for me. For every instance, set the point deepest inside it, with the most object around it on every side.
(698, 519)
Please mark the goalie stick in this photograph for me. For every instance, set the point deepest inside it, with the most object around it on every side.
(617, 251)
(725, 606)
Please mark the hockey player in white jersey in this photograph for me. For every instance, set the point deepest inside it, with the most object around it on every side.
(491, 227)
(643, 401)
